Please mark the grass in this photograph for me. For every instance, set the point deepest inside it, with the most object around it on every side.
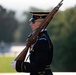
(5, 64)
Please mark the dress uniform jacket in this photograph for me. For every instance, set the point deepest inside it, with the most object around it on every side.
(41, 54)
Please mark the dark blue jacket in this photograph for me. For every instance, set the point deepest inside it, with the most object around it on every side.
(41, 55)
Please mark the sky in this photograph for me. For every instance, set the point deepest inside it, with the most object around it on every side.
(23, 5)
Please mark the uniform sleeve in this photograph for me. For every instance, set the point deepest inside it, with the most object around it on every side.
(23, 66)
(40, 62)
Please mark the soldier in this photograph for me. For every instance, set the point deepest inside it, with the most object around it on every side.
(41, 50)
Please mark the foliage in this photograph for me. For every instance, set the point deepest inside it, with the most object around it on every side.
(8, 25)
(62, 31)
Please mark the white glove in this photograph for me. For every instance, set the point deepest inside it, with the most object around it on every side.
(13, 64)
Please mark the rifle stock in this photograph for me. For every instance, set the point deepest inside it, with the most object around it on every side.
(36, 32)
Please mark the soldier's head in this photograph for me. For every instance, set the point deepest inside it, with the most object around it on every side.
(37, 18)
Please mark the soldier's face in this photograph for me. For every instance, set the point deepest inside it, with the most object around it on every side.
(35, 23)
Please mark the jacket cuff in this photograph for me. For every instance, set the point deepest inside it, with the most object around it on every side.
(18, 66)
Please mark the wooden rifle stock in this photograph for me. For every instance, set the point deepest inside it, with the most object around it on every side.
(31, 38)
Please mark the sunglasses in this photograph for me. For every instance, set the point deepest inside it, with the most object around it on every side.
(35, 21)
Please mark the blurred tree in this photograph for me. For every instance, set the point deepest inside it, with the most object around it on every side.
(70, 42)
(8, 24)
(26, 27)
(62, 31)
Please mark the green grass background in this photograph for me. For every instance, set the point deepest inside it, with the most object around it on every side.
(5, 64)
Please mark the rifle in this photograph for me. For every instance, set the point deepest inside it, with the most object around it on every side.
(31, 38)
